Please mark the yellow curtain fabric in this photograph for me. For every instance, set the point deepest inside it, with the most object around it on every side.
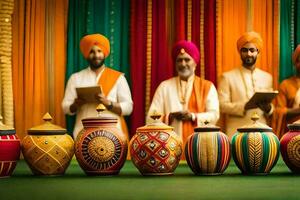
(38, 61)
(6, 92)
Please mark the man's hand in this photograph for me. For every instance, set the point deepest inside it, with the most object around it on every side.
(102, 99)
(77, 103)
(180, 115)
(265, 106)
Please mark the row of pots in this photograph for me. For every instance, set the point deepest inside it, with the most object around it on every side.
(101, 148)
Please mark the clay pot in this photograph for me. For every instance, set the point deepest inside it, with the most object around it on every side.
(290, 147)
(9, 150)
(207, 151)
(155, 149)
(101, 148)
(47, 148)
(255, 148)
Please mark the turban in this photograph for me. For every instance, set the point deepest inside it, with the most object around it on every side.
(88, 41)
(296, 54)
(251, 37)
(188, 47)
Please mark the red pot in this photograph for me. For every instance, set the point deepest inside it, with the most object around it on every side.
(9, 150)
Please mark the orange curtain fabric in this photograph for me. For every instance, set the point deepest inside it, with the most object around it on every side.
(231, 23)
(266, 22)
(35, 69)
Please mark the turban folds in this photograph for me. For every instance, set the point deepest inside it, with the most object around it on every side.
(189, 47)
(250, 37)
(296, 54)
(88, 41)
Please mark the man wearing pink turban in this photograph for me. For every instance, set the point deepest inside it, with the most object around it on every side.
(115, 94)
(287, 102)
(237, 86)
(185, 101)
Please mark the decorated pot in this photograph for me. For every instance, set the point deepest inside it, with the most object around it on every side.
(47, 148)
(290, 147)
(255, 148)
(101, 148)
(9, 150)
(155, 149)
(207, 151)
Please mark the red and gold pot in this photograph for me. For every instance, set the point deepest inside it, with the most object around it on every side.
(101, 148)
(9, 150)
(47, 148)
(290, 147)
(155, 149)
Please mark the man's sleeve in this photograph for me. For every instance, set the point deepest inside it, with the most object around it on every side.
(124, 96)
(70, 96)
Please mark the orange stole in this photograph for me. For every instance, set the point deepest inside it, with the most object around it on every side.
(284, 100)
(107, 80)
(196, 105)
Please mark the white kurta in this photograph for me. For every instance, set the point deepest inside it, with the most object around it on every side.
(120, 93)
(235, 88)
(166, 100)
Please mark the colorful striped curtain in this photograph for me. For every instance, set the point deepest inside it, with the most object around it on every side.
(155, 26)
(107, 17)
(39, 35)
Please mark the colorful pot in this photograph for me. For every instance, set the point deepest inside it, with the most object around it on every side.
(255, 148)
(9, 150)
(155, 149)
(47, 148)
(101, 148)
(290, 147)
(207, 151)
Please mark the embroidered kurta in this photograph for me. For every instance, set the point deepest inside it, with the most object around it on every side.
(235, 88)
(120, 92)
(200, 97)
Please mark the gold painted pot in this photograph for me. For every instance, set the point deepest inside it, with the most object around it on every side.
(47, 148)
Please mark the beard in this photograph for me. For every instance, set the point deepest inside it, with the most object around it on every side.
(95, 64)
(249, 61)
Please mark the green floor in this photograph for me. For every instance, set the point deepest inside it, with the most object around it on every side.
(280, 184)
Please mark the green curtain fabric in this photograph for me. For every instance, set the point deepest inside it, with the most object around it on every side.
(107, 17)
(289, 35)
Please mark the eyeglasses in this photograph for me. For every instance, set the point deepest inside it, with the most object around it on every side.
(245, 50)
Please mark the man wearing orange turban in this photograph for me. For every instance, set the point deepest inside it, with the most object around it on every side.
(237, 86)
(287, 102)
(115, 93)
(185, 101)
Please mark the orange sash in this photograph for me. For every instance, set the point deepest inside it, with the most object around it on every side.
(197, 104)
(107, 80)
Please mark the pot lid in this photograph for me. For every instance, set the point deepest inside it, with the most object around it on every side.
(47, 127)
(207, 127)
(255, 126)
(294, 126)
(156, 125)
(4, 127)
(101, 115)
